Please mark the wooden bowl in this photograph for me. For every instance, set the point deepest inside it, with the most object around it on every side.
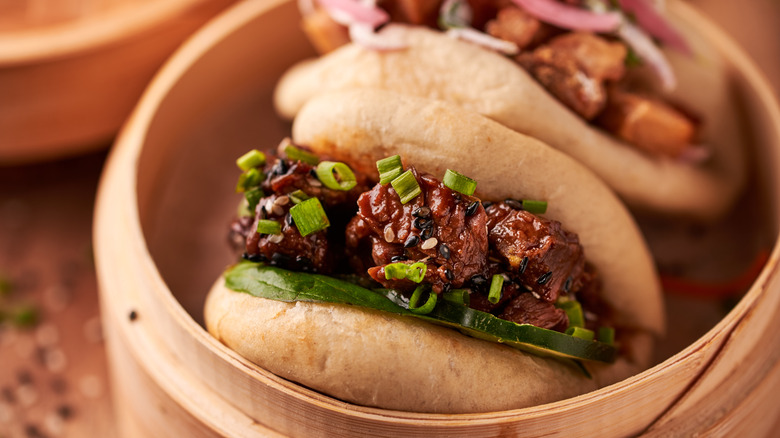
(160, 241)
(72, 70)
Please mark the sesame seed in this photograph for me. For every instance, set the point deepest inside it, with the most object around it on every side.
(314, 182)
(133, 315)
(544, 278)
(449, 275)
(389, 234)
(430, 243)
(523, 265)
(275, 238)
(536, 295)
(444, 250)
(282, 200)
(422, 212)
(472, 208)
(413, 240)
(278, 210)
(426, 233)
(514, 203)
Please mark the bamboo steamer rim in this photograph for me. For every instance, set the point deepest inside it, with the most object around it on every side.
(129, 147)
(67, 38)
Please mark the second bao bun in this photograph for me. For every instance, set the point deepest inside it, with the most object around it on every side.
(388, 361)
(439, 67)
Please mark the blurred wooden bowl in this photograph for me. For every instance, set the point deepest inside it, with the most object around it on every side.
(160, 241)
(72, 70)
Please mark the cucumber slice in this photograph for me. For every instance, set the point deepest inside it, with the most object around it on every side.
(279, 284)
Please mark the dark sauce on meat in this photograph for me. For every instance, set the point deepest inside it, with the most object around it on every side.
(462, 241)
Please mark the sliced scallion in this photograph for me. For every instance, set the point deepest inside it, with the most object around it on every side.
(458, 296)
(573, 310)
(580, 332)
(389, 168)
(496, 284)
(253, 197)
(336, 175)
(535, 207)
(298, 196)
(460, 183)
(297, 154)
(267, 226)
(247, 180)
(309, 216)
(429, 304)
(396, 271)
(251, 160)
(606, 335)
(416, 272)
(406, 186)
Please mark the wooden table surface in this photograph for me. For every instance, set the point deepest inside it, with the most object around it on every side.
(53, 375)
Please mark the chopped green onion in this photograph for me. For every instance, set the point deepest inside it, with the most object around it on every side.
(582, 333)
(496, 284)
(309, 216)
(460, 183)
(416, 272)
(249, 179)
(336, 175)
(406, 186)
(458, 296)
(401, 271)
(429, 305)
(297, 154)
(389, 168)
(251, 160)
(606, 335)
(298, 196)
(535, 207)
(267, 226)
(573, 310)
(253, 197)
(396, 271)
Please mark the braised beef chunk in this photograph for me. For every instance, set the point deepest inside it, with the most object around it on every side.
(287, 176)
(649, 123)
(574, 68)
(515, 25)
(437, 226)
(289, 249)
(527, 309)
(538, 252)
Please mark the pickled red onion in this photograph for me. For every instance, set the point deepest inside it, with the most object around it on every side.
(654, 24)
(388, 38)
(571, 17)
(646, 49)
(350, 11)
(484, 40)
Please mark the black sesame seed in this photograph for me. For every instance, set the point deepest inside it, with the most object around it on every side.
(422, 212)
(253, 257)
(426, 234)
(514, 203)
(523, 265)
(303, 261)
(444, 250)
(281, 167)
(263, 212)
(478, 280)
(133, 315)
(413, 240)
(450, 276)
(544, 278)
(280, 259)
(398, 258)
(289, 219)
(567, 284)
(487, 205)
(422, 223)
(313, 173)
(446, 288)
(472, 208)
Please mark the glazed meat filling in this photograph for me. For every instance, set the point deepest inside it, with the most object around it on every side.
(463, 243)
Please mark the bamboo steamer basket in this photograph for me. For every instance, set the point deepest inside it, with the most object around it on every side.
(160, 227)
(72, 70)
